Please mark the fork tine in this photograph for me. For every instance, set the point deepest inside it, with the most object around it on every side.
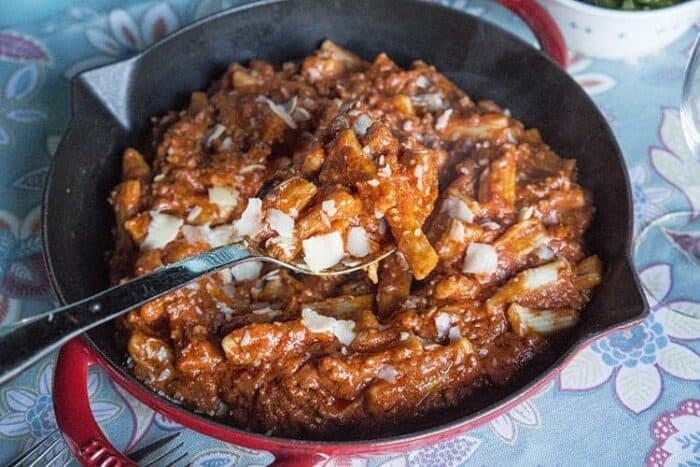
(31, 451)
(46, 451)
(141, 454)
(165, 454)
(184, 454)
(57, 456)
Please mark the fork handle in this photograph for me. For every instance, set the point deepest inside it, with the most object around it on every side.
(23, 345)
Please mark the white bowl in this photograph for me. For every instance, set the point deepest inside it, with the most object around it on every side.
(617, 34)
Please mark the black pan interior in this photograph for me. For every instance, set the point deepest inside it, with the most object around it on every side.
(112, 107)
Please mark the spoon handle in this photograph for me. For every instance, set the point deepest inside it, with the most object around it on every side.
(25, 343)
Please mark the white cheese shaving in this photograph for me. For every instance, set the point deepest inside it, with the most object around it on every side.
(251, 168)
(280, 111)
(159, 177)
(544, 253)
(323, 251)
(217, 131)
(250, 222)
(358, 242)
(287, 244)
(433, 101)
(342, 329)
(194, 214)
(246, 339)
(525, 213)
(418, 173)
(361, 125)
(373, 182)
(225, 310)
(422, 82)
(328, 206)
(387, 373)
(265, 311)
(226, 144)
(442, 121)
(454, 334)
(280, 222)
(457, 231)
(490, 225)
(457, 209)
(481, 258)
(442, 324)
(247, 271)
(225, 276)
(226, 198)
(540, 276)
(216, 237)
(162, 230)
(403, 335)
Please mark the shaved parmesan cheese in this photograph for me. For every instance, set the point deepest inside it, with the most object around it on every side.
(250, 222)
(540, 276)
(358, 242)
(490, 225)
(422, 82)
(432, 101)
(343, 330)
(216, 237)
(373, 183)
(457, 231)
(280, 222)
(280, 111)
(225, 276)
(387, 373)
(225, 310)
(457, 209)
(442, 324)
(418, 173)
(361, 125)
(524, 319)
(217, 131)
(544, 253)
(266, 311)
(323, 251)
(225, 198)
(287, 244)
(162, 230)
(480, 259)
(525, 213)
(247, 271)
(194, 214)
(328, 206)
(226, 144)
(403, 335)
(442, 121)
(454, 334)
(251, 168)
(245, 340)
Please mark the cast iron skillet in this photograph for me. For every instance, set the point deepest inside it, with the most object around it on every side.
(111, 110)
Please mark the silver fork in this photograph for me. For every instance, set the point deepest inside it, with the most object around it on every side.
(157, 452)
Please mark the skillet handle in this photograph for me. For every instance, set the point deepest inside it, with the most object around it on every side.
(543, 26)
(71, 403)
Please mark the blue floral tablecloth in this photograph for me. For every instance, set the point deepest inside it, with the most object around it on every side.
(629, 399)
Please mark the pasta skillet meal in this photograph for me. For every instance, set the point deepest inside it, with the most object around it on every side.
(329, 161)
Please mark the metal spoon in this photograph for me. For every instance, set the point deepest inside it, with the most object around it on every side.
(26, 341)
(690, 101)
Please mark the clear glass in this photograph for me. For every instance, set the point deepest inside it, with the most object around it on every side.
(667, 250)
